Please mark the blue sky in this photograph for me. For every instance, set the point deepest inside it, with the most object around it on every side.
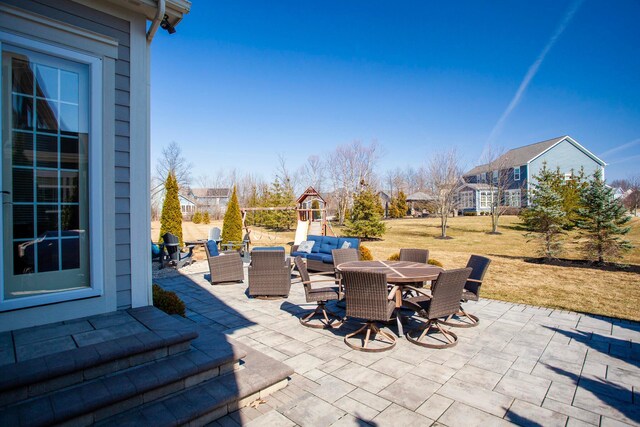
(242, 82)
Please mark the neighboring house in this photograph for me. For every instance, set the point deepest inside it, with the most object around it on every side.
(212, 200)
(75, 159)
(517, 170)
(187, 206)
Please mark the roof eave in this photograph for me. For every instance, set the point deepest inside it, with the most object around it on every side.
(577, 145)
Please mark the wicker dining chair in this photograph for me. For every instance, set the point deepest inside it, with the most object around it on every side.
(368, 298)
(223, 268)
(269, 274)
(319, 295)
(444, 301)
(341, 256)
(414, 255)
(462, 319)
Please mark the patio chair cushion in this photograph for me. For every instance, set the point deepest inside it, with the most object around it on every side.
(306, 246)
(328, 244)
(212, 245)
(354, 242)
(316, 256)
(300, 254)
(317, 242)
(155, 249)
(268, 248)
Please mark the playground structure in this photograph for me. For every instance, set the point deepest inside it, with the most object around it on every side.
(312, 220)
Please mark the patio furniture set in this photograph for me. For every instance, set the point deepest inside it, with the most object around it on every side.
(373, 291)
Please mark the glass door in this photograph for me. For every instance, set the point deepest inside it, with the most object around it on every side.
(45, 211)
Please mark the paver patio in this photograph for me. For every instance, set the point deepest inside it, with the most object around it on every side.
(524, 365)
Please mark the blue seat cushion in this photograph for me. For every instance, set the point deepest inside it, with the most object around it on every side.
(212, 245)
(317, 242)
(155, 249)
(328, 244)
(354, 242)
(315, 257)
(300, 254)
(327, 259)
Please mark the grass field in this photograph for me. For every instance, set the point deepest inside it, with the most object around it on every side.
(510, 276)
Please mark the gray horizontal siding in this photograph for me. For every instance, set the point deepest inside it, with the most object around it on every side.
(118, 29)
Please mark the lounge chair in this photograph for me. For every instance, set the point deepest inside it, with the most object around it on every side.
(444, 301)
(319, 295)
(462, 319)
(368, 298)
(215, 234)
(269, 274)
(225, 267)
(176, 257)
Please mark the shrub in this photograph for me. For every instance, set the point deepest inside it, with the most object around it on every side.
(167, 301)
(197, 218)
(171, 217)
(232, 224)
(394, 257)
(205, 218)
(365, 253)
(433, 261)
(470, 213)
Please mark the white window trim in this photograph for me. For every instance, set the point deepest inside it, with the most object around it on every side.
(467, 196)
(517, 168)
(511, 194)
(96, 267)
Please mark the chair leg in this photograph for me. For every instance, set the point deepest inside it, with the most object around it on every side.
(433, 324)
(370, 328)
(462, 320)
(325, 315)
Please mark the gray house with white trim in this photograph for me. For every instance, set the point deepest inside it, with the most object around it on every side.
(75, 161)
(517, 169)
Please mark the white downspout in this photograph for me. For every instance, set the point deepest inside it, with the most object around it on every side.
(156, 21)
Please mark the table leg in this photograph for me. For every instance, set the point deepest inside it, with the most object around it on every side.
(399, 311)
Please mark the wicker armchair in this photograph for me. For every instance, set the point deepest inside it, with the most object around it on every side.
(462, 319)
(443, 302)
(269, 274)
(224, 268)
(319, 295)
(175, 256)
(414, 255)
(367, 298)
(341, 256)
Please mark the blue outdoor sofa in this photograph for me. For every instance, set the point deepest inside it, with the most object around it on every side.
(320, 258)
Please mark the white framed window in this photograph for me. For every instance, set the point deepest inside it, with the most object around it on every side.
(512, 198)
(52, 171)
(516, 173)
(466, 200)
(568, 176)
(487, 198)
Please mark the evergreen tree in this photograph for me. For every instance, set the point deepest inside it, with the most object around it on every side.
(171, 217)
(279, 195)
(569, 190)
(197, 218)
(366, 221)
(401, 204)
(205, 218)
(393, 208)
(232, 223)
(546, 216)
(601, 221)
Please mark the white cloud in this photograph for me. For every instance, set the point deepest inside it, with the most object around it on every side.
(620, 148)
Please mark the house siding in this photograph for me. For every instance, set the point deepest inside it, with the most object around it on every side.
(119, 29)
(567, 157)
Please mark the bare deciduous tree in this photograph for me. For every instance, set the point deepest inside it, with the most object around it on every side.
(444, 176)
(632, 198)
(314, 173)
(349, 165)
(171, 160)
(497, 164)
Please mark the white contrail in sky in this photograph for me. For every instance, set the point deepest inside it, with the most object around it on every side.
(620, 148)
(533, 69)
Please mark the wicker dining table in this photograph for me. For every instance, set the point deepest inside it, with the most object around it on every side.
(399, 274)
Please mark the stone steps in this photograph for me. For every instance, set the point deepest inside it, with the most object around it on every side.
(258, 376)
(45, 374)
